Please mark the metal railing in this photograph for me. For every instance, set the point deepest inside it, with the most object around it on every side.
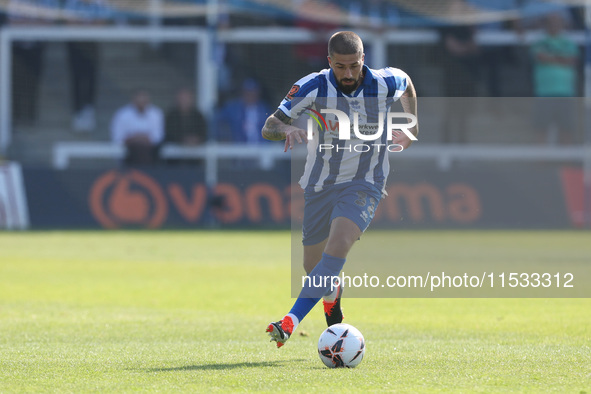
(443, 155)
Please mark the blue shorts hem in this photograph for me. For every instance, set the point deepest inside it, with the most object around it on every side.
(356, 201)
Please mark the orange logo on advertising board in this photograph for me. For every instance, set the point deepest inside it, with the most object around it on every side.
(128, 199)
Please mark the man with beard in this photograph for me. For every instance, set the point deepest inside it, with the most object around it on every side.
(342, 186)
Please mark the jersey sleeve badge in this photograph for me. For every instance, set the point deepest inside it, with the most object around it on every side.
(294, 89)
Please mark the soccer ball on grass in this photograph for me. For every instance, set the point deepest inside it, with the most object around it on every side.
(341, 345)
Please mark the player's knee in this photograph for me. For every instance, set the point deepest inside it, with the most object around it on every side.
(338, 247)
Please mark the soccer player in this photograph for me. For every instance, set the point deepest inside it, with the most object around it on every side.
(342, 186)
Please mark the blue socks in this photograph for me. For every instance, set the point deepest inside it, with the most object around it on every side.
(318, 284)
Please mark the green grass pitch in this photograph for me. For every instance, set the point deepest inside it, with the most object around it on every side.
(186, 311)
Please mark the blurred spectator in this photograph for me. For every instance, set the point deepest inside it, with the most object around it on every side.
(460, 68)
(555, 75)
(83, 57)
(140, 127)
(184, 123)
(27, 56)
(242, 119)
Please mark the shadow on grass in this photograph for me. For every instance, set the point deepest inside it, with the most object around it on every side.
(225, 366)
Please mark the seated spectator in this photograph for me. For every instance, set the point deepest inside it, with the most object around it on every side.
(184, 123)
(242, 119)
(140, 127)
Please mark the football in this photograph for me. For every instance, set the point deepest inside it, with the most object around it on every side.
(340, 346)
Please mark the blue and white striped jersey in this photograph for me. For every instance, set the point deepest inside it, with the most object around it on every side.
(347, 160)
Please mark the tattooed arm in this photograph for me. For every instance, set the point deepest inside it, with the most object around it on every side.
(274, 128)
(278, 127)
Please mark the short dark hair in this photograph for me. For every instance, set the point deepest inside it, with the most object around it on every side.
(345, 43)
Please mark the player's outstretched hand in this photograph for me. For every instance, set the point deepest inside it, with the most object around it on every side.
(294, 135)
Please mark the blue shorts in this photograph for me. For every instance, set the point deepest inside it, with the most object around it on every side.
(356, 200)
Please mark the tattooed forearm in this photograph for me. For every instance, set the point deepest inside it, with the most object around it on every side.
(282, 117)
(274, 128)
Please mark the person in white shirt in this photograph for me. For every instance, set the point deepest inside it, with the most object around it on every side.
(140, 127)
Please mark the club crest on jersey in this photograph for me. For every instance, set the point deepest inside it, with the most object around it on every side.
(294, 89)
(355, 105)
